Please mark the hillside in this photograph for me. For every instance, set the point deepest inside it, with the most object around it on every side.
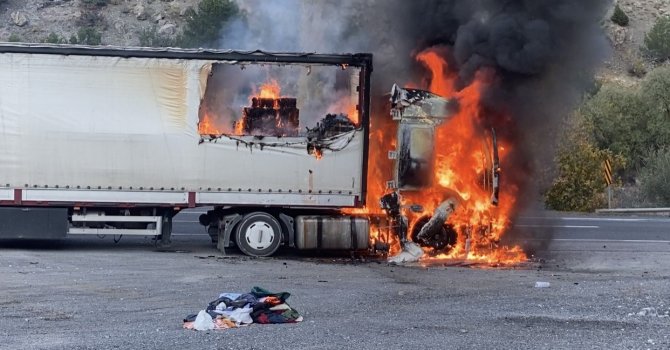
(119, 22)
(626, 41)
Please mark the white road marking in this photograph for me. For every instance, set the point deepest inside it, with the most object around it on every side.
(598, 219)
(607, 240)
(560, 226)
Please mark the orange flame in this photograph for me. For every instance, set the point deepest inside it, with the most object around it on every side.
(270, 89)
(207, 127)
(461, 161)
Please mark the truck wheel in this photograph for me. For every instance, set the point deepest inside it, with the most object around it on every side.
(258, 234)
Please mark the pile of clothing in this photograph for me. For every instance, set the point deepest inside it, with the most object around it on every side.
(232, 310)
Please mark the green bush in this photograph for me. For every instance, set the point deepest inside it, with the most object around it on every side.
(619, 17)
(657, 41)
(151, 38)
(99, 3)
(655, 176)
(14, 38)
(203, 26)
(580, 185)
(619, 118)
(86, 36)
(655, 94)
(54, 38)
(637, 68)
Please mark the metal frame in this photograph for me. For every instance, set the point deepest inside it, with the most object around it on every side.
(88, 198)
(363, 60)
(275, 199)
(158, 220)
(103, 196)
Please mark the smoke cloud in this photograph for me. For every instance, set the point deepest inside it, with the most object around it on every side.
(541, 54)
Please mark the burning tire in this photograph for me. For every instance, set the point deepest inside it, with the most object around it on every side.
(442, 241)
(258, 234)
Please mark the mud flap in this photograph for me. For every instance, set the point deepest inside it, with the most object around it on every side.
(225, 229)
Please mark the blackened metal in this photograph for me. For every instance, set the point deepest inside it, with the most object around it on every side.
(272, 117)
(364, 113)
(496, 171)
(390, 203)
(356, 60)
(331, 125)
(289, 228)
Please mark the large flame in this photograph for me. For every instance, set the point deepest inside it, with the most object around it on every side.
(206, 126)
(270, 89)
(462, 158)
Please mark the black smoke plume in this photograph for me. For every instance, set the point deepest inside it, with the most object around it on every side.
(543, 54)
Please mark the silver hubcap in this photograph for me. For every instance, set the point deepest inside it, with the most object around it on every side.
(259, 235)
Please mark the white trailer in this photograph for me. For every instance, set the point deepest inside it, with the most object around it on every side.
(104, 140)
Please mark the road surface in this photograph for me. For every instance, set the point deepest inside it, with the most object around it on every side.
(609, 280)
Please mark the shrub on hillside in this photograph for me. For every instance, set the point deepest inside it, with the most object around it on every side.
(152, 38)
(657, 41)
(619, 17)
(99, 3)
(54, 38)
(86, 36)
(637, 68)
(655, 177)
(203, 26)
(14, 38)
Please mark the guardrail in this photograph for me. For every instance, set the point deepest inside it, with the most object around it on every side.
(632, 210)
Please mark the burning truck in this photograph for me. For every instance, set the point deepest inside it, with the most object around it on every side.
(283, 147)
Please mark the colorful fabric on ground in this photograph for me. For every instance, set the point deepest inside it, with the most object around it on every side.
(232, 310)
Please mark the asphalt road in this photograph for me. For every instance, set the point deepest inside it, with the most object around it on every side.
(577, 228)
(609, 282)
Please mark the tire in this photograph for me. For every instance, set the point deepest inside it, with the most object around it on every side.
(258, 234)
(443, 241)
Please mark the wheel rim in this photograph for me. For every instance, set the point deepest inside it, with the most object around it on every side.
(259, 235)
(443, 241)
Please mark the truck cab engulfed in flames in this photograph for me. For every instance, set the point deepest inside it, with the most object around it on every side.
(419, 113)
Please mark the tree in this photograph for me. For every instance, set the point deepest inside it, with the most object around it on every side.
(619, 17)
(655, 176)
(580, 184)
(655, 95)
(657, 41)
(620, 123)
(203, 27)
